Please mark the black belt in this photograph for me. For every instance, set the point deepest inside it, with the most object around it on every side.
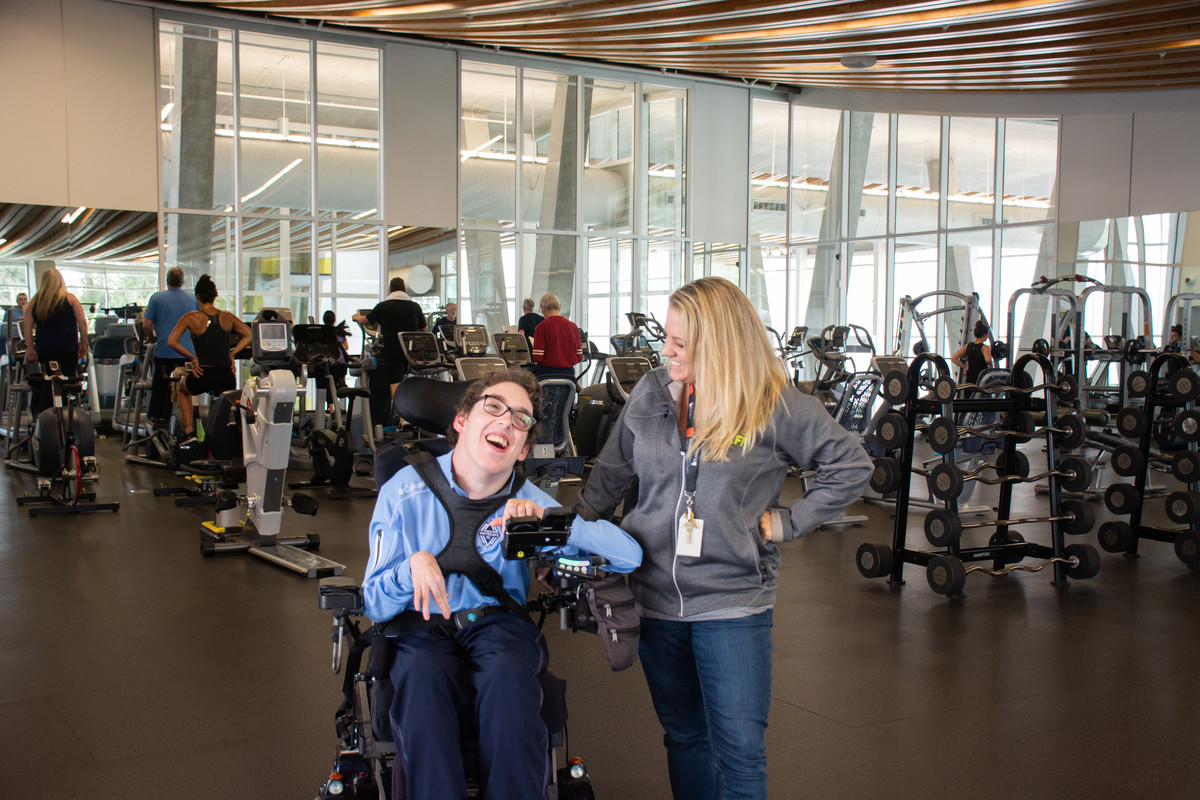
(407, 621)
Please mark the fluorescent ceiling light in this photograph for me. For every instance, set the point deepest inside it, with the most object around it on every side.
(167, 109)
(74, 215)
(272, 180)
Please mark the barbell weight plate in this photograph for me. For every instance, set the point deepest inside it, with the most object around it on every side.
(886, 475)
(942, 527)
(1075, 427)
(1184, 507)
(1041, 347)
(944, 389)
(1128, 461)
(1185, 466)
(1018, 468)
(1184, 385)
(874, 560)
(1138, 383)
(946, 481)
(895, 387)
(1187, 548)
(942, 434)
(1121, 498)
(946, 575)
(1068, 388)
(1187, 426)
(1131, 422)
(1115, 536)
(892, 430)
(1081, 477)
(999, 351)
(1021, 422)
(1088, 561)
(1083, 519)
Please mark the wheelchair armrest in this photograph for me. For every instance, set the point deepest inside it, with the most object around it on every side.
(341, 594)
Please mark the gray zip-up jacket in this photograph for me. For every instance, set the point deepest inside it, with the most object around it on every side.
(736, 569)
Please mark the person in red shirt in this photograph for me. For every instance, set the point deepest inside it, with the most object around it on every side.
(557, 346)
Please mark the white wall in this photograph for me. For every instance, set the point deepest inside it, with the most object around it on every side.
(77, 86)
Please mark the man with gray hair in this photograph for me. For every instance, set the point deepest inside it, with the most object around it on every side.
(163, 312)
(557, 345)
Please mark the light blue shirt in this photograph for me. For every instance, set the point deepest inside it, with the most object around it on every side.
(408, 518)
(165, 309)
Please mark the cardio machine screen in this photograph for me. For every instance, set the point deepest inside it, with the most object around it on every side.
(272, 337)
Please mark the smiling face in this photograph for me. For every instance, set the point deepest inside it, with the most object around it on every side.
(488, 446)
(674, 348)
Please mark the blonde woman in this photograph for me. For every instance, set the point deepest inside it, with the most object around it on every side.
(704, 445)
(55, 329)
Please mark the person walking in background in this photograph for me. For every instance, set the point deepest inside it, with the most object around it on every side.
(704, 445)
(55, 329)
(529, 321)
(557, 345)
(162, 314)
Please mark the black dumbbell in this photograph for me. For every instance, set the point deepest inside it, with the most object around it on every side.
(886, 476)
(1139, 383)
(942, 435)
(1184, 385)
(1184, 507)
(1128, 461)
(1121, 498)
(1116, 536)
(895, 387)
(945, 481)
(892, 430)
(1132, 422)
(1019, 466)
(874, 560)
(946, 575)
(1187, 548)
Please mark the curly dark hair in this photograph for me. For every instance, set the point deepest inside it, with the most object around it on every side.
(477, 388)
(206, 289)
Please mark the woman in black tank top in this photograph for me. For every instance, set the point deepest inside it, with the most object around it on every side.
(978, 354)
(212, 364)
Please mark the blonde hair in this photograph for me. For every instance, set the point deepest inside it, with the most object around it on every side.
(739, 380)
(50, 294)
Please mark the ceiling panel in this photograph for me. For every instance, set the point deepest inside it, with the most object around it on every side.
(942, 45)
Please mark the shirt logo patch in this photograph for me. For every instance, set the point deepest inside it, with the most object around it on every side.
(489, 533)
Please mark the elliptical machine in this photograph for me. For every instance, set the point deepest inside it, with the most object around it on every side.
(266, 408)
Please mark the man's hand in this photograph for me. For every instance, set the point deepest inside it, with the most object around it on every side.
(429, 585)
(522, 508)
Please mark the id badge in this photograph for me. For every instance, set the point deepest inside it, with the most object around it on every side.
(688, 535)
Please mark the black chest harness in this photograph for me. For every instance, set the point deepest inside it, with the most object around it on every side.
(460, 555)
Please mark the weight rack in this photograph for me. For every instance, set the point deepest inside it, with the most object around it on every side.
(945, 567)
(1169, 385)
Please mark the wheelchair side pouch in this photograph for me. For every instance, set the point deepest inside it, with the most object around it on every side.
(612, 607)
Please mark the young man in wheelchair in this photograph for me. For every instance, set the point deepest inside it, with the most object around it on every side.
(466, 655)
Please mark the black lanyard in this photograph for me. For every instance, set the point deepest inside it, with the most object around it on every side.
(692, 464)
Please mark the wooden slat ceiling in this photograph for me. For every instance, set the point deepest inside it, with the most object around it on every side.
(934, 45)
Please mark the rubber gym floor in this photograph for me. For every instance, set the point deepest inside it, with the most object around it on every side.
(133, 667)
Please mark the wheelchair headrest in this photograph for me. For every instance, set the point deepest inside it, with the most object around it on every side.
(427, 403)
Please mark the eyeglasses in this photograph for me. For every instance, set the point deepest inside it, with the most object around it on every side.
(497, 408)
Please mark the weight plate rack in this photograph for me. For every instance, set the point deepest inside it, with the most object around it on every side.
(1167, 417)
(1017, 404)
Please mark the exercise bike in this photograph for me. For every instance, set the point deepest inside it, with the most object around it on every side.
(365, 763)
(62, 451)
(333, 450)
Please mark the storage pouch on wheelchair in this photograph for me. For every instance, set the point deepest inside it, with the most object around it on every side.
(614, 611)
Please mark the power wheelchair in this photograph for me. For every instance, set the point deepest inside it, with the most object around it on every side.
(365, 763)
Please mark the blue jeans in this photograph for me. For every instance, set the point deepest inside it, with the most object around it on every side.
(711, 687)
